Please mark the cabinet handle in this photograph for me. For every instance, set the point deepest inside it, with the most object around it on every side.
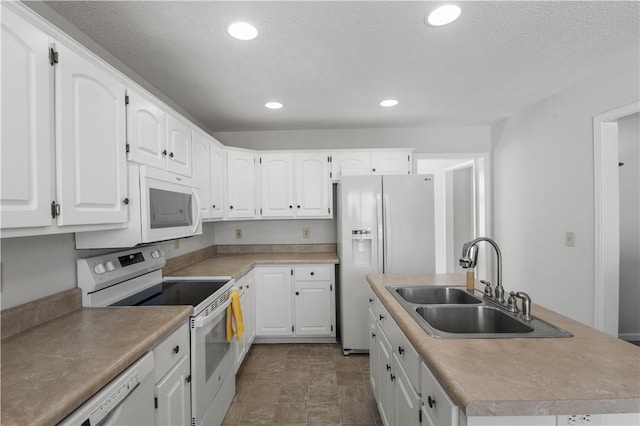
(431, 401)
(247, 286)
(313, 273)
(373, 335)
(164, 152)
(213, 206)
(176, 349)
(230, 207)
(388, 367)
(400, 350)
(126, 201)
(171, 155)
(188, 379)
(392, 377)
(374, 170)
(297, 293)
(298, 205)
(370, 300)
(381, 317)
(241, 287)
(290, 207)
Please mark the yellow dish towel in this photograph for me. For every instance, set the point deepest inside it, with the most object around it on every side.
(235, 324)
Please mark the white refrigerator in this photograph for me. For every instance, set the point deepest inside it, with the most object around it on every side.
(385, 224)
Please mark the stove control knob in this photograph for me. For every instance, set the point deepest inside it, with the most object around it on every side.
(110, 266)
(99, 269)
(156, 254)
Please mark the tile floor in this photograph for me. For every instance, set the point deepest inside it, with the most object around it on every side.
(303, 384)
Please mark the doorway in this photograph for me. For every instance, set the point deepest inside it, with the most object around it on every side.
(461, 204)
(610, 214)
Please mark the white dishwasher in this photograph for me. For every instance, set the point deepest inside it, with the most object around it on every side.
(126, 400)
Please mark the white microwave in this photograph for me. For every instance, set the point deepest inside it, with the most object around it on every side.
(162, 206)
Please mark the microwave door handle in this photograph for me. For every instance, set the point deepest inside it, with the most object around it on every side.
(197, 206)
(202, 321)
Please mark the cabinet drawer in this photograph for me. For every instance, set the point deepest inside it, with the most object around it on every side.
(407, 355)
(171, 350)
(438, 407)
(313, 273)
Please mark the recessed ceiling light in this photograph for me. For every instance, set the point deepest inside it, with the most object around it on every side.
(274, 105)
(443, 15)
(242, 31)
(389, 103)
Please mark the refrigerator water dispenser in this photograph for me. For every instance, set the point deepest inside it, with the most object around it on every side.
(361, 246)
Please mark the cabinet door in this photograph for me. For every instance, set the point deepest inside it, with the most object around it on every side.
(438, 407)
(178, 146)
(276, 171)
(91, 145)
(390, 162)
(313, 308)
(201, 170)
(26, 150)
(313, 194)
(173, 394)
(385, 385)
(373, 353)
(406, 400)
(240, 184)
(250, 312)
(347, 163)
(273, 302)
(146, 131)
(217, 181)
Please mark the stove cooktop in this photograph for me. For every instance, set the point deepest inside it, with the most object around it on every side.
(177, 292)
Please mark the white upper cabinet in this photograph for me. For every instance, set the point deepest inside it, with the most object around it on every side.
(90, 142)
(201, 171)
(145, 130)
(314, 197)
(370, 162)
(349, 163)
(240, 184)
(276, 172)
(178, 146)
(27, 140)
(157, 138)
(391, 162)
(216, 181)
(295, 185)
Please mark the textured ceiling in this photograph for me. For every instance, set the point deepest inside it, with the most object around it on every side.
(330, 63)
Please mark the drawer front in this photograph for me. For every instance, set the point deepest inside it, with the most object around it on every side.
(171, 350)
(437, 404)
(407, 355)
(241, 283)
(312, 273)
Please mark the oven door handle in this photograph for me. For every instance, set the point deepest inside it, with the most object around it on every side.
(196, 222)
(202, 321)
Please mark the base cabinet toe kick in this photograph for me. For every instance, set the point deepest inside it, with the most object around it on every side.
(407, 392)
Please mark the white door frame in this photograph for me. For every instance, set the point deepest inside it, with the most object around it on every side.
(452, 257)
(607, 218)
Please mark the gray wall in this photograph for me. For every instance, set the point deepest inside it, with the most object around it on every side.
(469, 139)
(629, 154)
(543, 187)
(276, 232)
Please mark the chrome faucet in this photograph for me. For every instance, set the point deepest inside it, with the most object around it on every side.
(526, 305)
(469, 257)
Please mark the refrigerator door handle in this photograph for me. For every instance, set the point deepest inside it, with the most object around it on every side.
(380, 234)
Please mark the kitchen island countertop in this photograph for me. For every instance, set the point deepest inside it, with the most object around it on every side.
(590, 373)
(50, 370)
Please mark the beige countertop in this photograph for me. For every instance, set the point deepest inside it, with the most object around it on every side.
(590, 373)
(236, 265)
(50, 370)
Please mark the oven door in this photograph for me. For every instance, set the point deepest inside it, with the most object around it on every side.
(170, 207)
(211, 358)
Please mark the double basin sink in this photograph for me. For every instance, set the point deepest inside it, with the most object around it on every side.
(453, 312)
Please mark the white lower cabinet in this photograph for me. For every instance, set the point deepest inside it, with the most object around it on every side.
(247, 304)
(406, 399)
(173, 379)
(438, 408)
(295, 301)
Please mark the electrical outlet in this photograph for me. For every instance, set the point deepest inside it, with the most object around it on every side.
(238, 234)
(570, 239)
(306, 232)
(580, 419)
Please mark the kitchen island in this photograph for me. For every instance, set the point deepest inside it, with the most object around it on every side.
(589, 373)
